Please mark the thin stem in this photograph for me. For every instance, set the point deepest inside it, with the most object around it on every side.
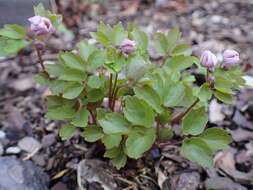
(178, 118)
(40, 59)
(114, 91)
(93, 117)
(110, 91)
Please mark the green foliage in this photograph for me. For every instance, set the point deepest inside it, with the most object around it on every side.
(139, 141)
(13, 31)
(138, 112)
(67, 131)
(195, 121)
(120, 99)
(195, 149)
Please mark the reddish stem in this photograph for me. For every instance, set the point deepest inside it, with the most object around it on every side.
(178, 117)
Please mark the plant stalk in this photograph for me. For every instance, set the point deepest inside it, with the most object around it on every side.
(40, 59)
(110, 91)
(179, 117)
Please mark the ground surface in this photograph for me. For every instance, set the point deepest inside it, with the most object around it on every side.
(214, 24)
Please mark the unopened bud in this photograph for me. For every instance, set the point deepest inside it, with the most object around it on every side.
(230, 58)
(127, 46)
(41, 25)
(208, 60)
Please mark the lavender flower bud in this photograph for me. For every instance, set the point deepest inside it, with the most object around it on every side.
(211, 79)
(127, 46)
(41, 25)
(230, 58)
(208, 60)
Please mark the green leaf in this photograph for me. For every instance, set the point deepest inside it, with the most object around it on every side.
(141, 38)
(216, 138)
(196, 150)
(195, 121)
(42, 78)
(182, 49)
(165, 134)
(226, 98)
(72, 75)
(94, 81)
(138, 112)
(118, 157)
(161, 43)
(81, 118)
(97, 59)
(205, 93)
(57, 113)
(40, 10)
(113, 152)
(72, 90)
(101, 38)
(56, 105)
(150, 96)
(112, 140)
(56, 86)
(119, 161)
(85, 49)
(174, 94)
(92, 133)
(72, 61)
(11, 46)
(54, 69)
(13, 31)
(118, 34)
(139, 142)
(165, 116)
(136, 68)
(95, 95)
(181, 62)
(172, 37)
(223, 85)
(67, 131)
(113, 123)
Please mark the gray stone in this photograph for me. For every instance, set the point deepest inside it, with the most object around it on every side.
(29, 144)
(188, 181)
(2, 135)
(17, 11)
(16, 174)
(48, 140)
(13, 150)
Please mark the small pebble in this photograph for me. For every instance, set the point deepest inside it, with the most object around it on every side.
(2, 135)
(29, 144)
(13, 150)
(48, 140)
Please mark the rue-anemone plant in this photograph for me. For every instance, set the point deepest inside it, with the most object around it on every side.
(111, 91)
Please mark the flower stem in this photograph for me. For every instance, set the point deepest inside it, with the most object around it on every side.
(40, 59)
(178, 117)
(110, 91)
(114, 92)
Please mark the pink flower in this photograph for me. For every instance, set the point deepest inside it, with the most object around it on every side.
(208, 60)
(41, 25)
(127, 46)
(230, 58)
